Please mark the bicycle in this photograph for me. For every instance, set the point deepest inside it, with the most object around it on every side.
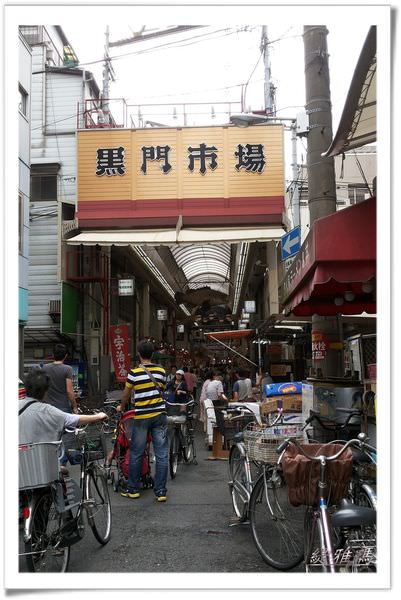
(182, 441)
(339, 534)
(362, 488)
(241, 470)
(276, 525)
(52, 504)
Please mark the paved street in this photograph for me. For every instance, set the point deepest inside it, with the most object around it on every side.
(190, 532)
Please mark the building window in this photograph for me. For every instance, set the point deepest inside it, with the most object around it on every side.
(23, 101)
(43, 187)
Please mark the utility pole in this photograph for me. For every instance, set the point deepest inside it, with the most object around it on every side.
(321, 175)
(321, 178)
(296, 218)
(269, 88)
(108, 73)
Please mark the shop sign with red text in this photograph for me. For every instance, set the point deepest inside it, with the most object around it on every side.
(119, 341)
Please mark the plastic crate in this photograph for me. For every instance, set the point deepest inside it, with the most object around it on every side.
(38, 464)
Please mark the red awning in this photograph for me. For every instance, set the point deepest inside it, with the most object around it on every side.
(335, 270)
(229, 335)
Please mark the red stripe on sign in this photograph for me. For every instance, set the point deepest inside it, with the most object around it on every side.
(120, 213)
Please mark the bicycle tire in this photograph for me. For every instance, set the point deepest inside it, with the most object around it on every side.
(42, 555)
(174, 453)
(276, 525)
(312, 550)
(241, 485)
(99, 509)
(188, 450)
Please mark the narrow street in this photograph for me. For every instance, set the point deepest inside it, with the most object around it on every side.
(191, 532)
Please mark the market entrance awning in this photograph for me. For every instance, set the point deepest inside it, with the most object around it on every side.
(335, 270)
(160, 237)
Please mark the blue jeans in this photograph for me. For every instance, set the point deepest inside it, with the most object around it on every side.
(157, 427)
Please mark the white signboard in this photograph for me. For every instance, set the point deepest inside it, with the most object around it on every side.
(126, 287)
(162, 315)
(180, 328)
(250, 306)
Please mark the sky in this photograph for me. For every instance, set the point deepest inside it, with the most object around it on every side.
(211, 64)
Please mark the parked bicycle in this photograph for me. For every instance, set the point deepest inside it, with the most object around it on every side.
(182, 440)
(340, 535)
(52, 503)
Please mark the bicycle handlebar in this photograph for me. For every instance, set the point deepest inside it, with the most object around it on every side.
(360, 443)
(316, 416)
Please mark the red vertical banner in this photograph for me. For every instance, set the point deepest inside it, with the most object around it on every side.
(119, 342)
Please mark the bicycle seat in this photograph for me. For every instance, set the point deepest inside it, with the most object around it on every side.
(176, 419)
(353, 515)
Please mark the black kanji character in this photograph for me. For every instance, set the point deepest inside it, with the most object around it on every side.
(202, 153)
(161, 153)
(110, 161)
(250, 157)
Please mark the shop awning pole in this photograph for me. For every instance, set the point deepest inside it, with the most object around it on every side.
(232, 350)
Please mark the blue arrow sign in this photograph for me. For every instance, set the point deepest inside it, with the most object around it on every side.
(290, 243)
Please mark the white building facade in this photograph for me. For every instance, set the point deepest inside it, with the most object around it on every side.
(59, 90)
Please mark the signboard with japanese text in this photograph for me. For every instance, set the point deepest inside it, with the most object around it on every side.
(126, 287)
(162, 315)
(149, 177)
(119, 343)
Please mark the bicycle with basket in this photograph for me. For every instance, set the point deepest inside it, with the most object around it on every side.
(276, 525)
(52, 504)
(181, 418)
(340, 531)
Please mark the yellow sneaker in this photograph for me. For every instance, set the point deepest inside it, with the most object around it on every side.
(161, 498)
(127, 494)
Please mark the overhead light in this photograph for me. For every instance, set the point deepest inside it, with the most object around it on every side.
(349, 295)
(338, 300)
(246, 119)
(297, 327)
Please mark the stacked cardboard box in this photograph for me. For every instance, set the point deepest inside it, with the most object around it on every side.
(289, 403)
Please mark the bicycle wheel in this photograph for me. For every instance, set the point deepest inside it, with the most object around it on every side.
(241, 485)
(174, 453)
(277, 526)
(42, 553)
(188, 450)
(312, 541)
(98, 508)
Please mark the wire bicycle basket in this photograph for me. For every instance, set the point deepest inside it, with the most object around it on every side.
(261, 443)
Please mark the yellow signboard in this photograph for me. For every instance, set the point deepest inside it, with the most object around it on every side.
(194, 172)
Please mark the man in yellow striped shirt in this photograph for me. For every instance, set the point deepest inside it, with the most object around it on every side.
(144, 387)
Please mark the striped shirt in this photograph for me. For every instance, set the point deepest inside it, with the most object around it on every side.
(148, 397)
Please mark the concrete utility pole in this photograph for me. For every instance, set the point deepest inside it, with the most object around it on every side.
(321, 177)
(108, 73)
(270, 96)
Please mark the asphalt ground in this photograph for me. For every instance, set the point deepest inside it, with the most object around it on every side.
(194, 531)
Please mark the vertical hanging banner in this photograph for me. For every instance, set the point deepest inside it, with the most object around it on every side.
(119, 341)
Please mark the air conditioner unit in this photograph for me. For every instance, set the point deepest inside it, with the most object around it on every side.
(54, 307)
(54, 310)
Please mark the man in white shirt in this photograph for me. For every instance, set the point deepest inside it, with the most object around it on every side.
(215, 390)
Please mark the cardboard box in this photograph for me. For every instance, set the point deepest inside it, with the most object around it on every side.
(291, 403)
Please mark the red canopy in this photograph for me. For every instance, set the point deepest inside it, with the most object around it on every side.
(335, 270)
(228, 335)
